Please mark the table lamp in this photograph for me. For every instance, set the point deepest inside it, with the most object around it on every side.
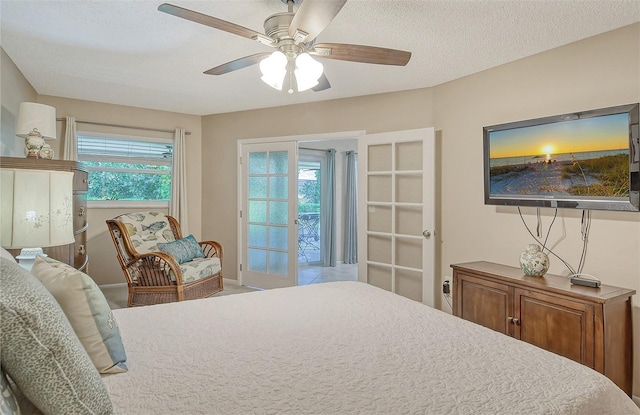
(36, 211)
(36, 123)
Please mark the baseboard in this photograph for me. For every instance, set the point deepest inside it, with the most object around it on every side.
(636, 399)
(117, 285)
(227, 281)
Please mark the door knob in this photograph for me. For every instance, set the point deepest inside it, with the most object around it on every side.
(426, 234)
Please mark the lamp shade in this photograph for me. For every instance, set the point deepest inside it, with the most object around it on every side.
(36, 208)
(274, 69)
(307, 71)
(36, 116)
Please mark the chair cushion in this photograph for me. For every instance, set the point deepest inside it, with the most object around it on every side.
(87, 310)
(146, 229)
(183, 250)
(199, 268)
(40, 350)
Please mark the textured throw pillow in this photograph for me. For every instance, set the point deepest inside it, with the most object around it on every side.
(8, 401)
(87, 310)
(183, 250)
(41, 352)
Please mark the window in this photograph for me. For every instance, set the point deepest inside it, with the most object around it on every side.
(131, 170)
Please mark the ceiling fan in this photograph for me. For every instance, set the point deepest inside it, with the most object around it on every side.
(293, 35)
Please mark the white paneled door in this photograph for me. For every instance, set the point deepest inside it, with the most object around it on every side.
(269, 213)
(396, 212)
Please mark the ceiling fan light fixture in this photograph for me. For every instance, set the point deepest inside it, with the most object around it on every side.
(274, 69)
(308, 71)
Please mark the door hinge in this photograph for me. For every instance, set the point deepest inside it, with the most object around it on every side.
(240, 160)
(240, 267)
(240, 213)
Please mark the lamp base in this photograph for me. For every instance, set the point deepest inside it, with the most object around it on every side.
(27, 257)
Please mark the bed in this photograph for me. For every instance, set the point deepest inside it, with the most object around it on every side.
(339, 348)
(332, 348)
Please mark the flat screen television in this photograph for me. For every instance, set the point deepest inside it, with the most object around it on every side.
(583, 160)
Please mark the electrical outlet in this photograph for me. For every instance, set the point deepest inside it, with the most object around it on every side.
(446, 287)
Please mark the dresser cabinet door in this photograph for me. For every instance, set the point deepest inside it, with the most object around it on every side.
(484, 302)
(557, 324)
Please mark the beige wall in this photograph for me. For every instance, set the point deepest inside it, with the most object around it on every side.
(375, 113)
(598, 72)
(103, 265)
(14, 90)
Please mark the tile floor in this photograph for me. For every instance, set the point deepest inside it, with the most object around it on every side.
(310, 274)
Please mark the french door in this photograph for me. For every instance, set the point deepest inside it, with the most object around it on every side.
(269, 214)
(396, 212)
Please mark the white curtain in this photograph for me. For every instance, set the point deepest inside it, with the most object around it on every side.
(329, 209)
(351, 211)
(70, 150)
(178, 203)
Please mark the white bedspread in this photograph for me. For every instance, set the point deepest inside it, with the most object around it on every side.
(339, 348)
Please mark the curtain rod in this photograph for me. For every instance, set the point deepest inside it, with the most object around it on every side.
(124, 126)
(319, 149)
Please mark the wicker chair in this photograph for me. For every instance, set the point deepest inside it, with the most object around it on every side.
(154, 276)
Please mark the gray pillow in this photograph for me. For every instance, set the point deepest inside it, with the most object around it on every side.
(40, 350)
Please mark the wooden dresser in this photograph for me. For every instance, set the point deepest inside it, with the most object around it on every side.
(589, 325)
(74, 254)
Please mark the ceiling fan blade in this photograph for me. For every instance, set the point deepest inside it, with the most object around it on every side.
(215, 23)
(312, 17)
(237, 64)
(361, 53)
(323, 83)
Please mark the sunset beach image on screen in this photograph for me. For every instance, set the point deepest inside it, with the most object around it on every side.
(577, 158)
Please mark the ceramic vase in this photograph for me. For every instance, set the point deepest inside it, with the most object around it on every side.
(533, 261)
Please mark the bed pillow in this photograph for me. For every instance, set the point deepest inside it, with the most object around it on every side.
(87, 310)
(8, 401)
(183, 250)
(41, 352)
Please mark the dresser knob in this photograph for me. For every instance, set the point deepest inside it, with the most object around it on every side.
(83, 211)
(82, 250)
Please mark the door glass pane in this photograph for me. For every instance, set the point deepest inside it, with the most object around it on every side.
(258, 163)
(409, 220)
(379, 276)
(409, 156)
(258, 260)
(379, 157)
(278, 162)
(257, 187)
(257, 211)
(379, 249)
(258, 236)
(379, 188)
(409, 284)
(409, 189)
(278, 213)
(278, 237)
(409, 252)
(278, 262)
(278, 187)
(379, 219)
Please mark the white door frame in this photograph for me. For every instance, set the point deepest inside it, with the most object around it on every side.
(357, 134)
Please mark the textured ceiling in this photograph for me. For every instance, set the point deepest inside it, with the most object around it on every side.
(127, 52)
